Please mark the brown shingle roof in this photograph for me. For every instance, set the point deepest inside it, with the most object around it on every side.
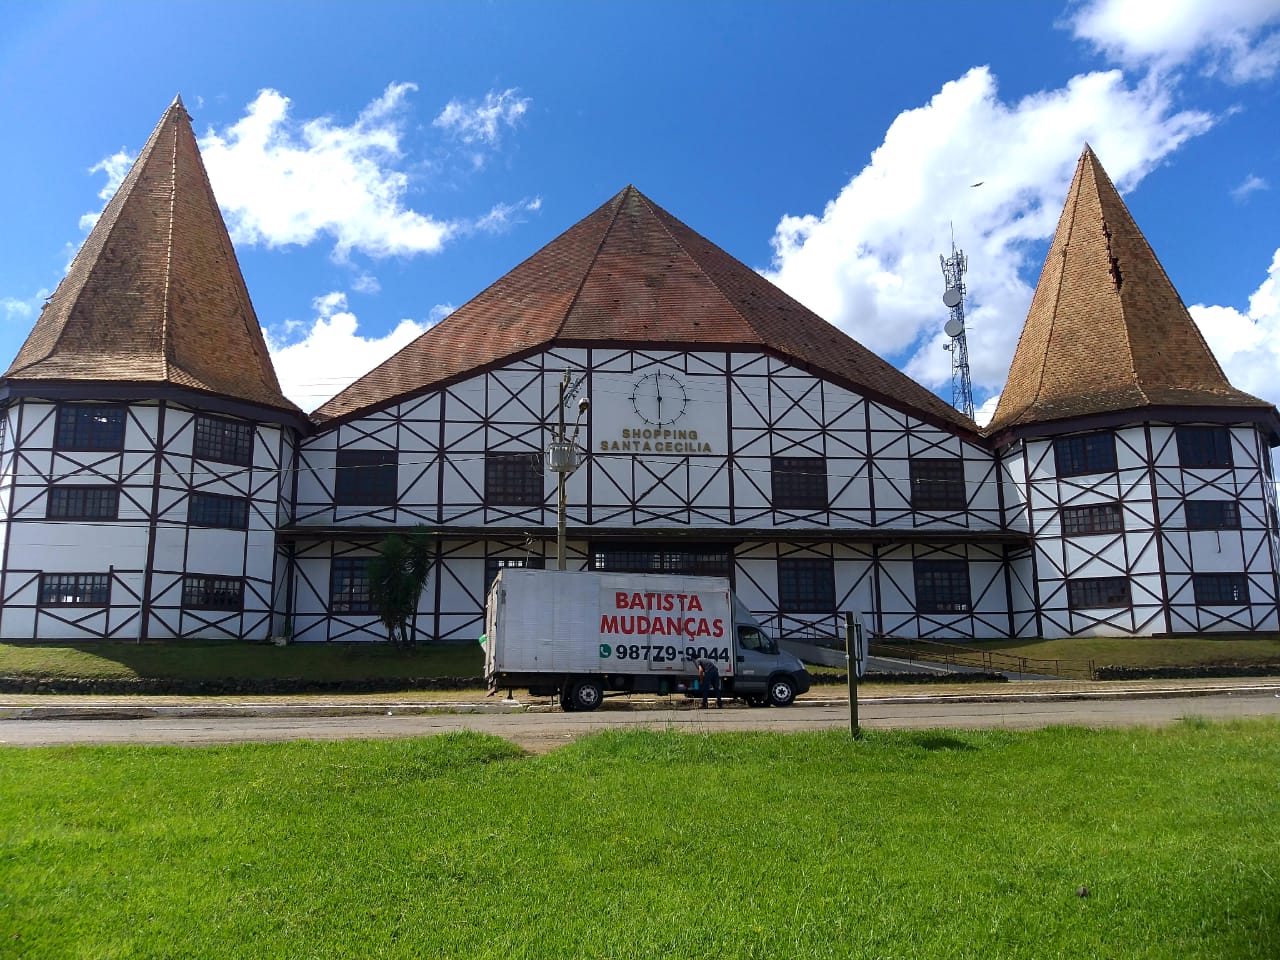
(631, 272)
(155, 295)
(1106, 330)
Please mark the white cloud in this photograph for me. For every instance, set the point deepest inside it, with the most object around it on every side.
(869, 261)
(1237, 39)
(1247, 344)
(283, 182)
(333, 354)
(503, 215)
(481, 121)
(116, 167)
(1250, 184)
(16, 309)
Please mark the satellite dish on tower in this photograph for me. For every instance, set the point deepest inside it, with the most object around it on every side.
(953, 328)
(952, 298)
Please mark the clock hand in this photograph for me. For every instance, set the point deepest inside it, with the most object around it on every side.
(657, 382)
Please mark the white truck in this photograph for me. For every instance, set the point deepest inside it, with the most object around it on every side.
(580, 634)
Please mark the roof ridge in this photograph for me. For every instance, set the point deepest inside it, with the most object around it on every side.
(595, 255)
(654, 209)
(166, 341)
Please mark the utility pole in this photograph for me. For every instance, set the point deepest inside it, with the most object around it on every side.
(562, 457)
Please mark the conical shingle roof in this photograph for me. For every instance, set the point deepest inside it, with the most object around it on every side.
(155, 295)
(632, 274)
(1106, 330)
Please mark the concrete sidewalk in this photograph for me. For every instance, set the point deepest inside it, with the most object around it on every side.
(65, 707)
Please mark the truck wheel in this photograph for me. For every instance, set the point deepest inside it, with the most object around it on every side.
(566, 699)
(586, 695)
(782, 692)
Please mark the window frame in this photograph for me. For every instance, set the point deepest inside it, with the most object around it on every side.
(102, 581)
(799, 483)
(1077, 585)
(206, 585)
(806, 585)
(706, 561)
(88, 441)
(503, 485)
(938, 484)
(1082, 454)
(352, 604)
(950, 573)
(1204, 447)
(1229, 511)
(234, 452)
(493, 564)
(65, 490)
(218, 502)
(1083, 520)
(1217, 584)
(366, 478)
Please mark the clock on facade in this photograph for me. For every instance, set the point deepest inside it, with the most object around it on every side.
(659, 398)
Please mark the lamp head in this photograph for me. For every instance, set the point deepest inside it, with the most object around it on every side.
(583, 405)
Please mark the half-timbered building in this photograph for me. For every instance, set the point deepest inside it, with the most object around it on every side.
(155, 482)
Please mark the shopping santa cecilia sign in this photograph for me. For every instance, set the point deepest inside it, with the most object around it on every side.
(655, 412)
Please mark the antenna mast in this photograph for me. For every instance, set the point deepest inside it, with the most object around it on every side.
(954, 268)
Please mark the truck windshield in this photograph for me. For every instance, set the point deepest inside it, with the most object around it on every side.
(752, 638)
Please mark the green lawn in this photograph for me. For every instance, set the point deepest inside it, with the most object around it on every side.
(1144, 651)
(215, 660)
(920, 845)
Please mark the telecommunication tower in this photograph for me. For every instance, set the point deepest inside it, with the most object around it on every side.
(953, 271)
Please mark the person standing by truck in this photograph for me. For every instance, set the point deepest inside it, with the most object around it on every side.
(709, 679)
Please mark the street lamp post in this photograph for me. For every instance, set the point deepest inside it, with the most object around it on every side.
(562, 457)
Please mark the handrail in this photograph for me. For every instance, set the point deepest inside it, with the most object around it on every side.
(996, 661)
(827, 631)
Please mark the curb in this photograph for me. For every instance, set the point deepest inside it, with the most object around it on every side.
(145, 711)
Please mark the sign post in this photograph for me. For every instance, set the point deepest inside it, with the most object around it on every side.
(855, 652)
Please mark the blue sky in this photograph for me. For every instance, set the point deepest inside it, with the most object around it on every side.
(381, 163)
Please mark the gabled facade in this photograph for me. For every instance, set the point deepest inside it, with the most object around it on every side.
(154, 485)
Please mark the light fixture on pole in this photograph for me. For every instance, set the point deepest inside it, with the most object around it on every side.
(564, 457)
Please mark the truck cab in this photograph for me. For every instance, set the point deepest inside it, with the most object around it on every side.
(763, 675)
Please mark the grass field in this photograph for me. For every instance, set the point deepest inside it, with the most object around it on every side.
(928, 845)
(215, 660)
(1144, 651)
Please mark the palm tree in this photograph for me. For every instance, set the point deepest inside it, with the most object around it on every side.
(396, 578)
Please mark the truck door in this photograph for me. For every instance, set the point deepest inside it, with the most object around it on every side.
(757, 654)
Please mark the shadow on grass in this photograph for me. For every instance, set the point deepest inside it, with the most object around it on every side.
(939, 741)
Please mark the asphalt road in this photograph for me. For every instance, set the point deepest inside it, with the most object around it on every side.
(541, 731)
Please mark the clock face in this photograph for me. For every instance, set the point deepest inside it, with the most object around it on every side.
(659, 398)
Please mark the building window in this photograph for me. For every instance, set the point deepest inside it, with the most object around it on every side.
(83, 427)
(1204, 447)
(1212, 515)
(937, 484)
(799, 482)
(653, 558)
(366, 478)
(1085, 593)
(349, 585)
(513, 479)
(807, 585)
(218, 510)
(942, 586)
(1087, 453)
(75, 589)
(83, 503)
(226, 441)
(1094, 518)
(493, 564)
(1220, 589)
(213, 593)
